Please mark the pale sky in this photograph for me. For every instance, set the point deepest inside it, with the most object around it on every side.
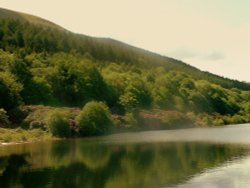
(212, 35)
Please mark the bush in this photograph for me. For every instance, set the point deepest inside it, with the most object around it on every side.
(58, 123)
(203, 120)
(174, 119)
(236, 119)
(130, 120)
(94, 119)
(17, 115)
(218, 121)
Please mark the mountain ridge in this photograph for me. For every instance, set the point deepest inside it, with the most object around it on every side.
(10, 14)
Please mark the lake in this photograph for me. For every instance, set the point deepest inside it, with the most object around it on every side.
(196, 157)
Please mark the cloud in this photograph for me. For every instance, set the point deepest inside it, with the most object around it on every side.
(213, 56)
(187, 54)
(181, 53)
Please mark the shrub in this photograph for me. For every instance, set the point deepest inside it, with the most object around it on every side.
(218, 121)
(174, 119)
(237, 119)
(17, 115)
(203, 120)
(94, 119)
(58, 123)
(130, 120)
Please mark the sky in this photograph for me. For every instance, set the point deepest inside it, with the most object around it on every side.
(212, 35)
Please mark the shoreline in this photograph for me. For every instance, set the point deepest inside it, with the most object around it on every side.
(5, 144)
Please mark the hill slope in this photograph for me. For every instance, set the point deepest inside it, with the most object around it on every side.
(44, 64)
(9, 14)
(51, 37)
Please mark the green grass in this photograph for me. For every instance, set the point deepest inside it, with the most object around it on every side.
(22, 135)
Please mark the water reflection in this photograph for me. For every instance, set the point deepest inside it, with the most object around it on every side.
(232, 174)
(81, 163)
(12, 167)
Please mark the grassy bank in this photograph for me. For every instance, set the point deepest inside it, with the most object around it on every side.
(21, 135)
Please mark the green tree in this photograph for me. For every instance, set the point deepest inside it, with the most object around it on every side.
(9, 91)
(199, 103)
(94, 119)
(76, 83)
(38, 91)
(129, 101)
(4, 120)
(136, 95)
(20, 69)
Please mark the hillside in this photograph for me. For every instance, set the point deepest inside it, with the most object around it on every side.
(44, 64)
(8, 14)
(55, 38)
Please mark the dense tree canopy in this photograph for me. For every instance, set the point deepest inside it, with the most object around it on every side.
(16, 34)
(9, 91)
(43, 65)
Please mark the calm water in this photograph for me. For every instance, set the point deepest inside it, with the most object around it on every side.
(209, 157)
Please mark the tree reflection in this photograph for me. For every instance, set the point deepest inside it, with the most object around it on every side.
(91, 164)
(11, 176)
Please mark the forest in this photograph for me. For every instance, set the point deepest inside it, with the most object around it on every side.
(69, 84)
